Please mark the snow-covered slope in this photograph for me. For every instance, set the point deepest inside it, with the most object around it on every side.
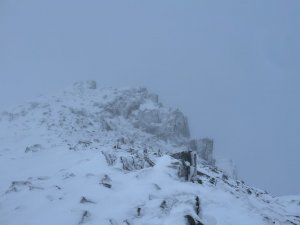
(119, 157)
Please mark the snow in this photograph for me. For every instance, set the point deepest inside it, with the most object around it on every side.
(68, 136)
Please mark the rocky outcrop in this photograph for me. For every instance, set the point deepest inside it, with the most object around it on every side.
(187, 168)
(17, 186)
(204, 149)
(34, 148)
(146, 113)
(171, 126)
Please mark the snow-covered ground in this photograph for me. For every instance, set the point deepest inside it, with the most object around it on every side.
(102, 156)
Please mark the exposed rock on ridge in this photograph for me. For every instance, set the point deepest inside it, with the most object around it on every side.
(116, 157)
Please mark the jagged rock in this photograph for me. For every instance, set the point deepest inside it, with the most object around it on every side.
(34, 148)
(204, 148)
(127, 103)
(149, 161)
(188, 166)
(132, 163)
(17, 185)
(171, 126)
(136, 161)
(110, 158)
(80, 145)
(134, 104)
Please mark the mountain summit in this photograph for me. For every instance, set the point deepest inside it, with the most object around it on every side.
(91, 155)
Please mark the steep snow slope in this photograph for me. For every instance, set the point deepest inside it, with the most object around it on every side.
(105, 156)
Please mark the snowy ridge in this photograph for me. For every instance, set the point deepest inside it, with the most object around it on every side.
(92, 155)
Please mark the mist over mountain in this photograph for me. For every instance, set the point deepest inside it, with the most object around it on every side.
(93, 155)
(231, 66)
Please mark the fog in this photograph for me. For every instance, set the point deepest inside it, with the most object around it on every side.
(231, 66)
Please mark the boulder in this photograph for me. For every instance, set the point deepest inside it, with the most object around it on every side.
(188, 167)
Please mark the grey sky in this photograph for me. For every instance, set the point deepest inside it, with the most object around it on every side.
(233, 67)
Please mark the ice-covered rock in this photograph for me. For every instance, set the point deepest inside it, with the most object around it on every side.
(204, 148)
(188, 164)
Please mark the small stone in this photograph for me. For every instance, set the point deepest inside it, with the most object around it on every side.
(139, 211)
(85, 200)
(163, 205)
(249, 191)
(85, 217)
(106, 181)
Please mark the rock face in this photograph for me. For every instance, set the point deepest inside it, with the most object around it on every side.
(145, 112)
(204, 148)
(107, 106)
